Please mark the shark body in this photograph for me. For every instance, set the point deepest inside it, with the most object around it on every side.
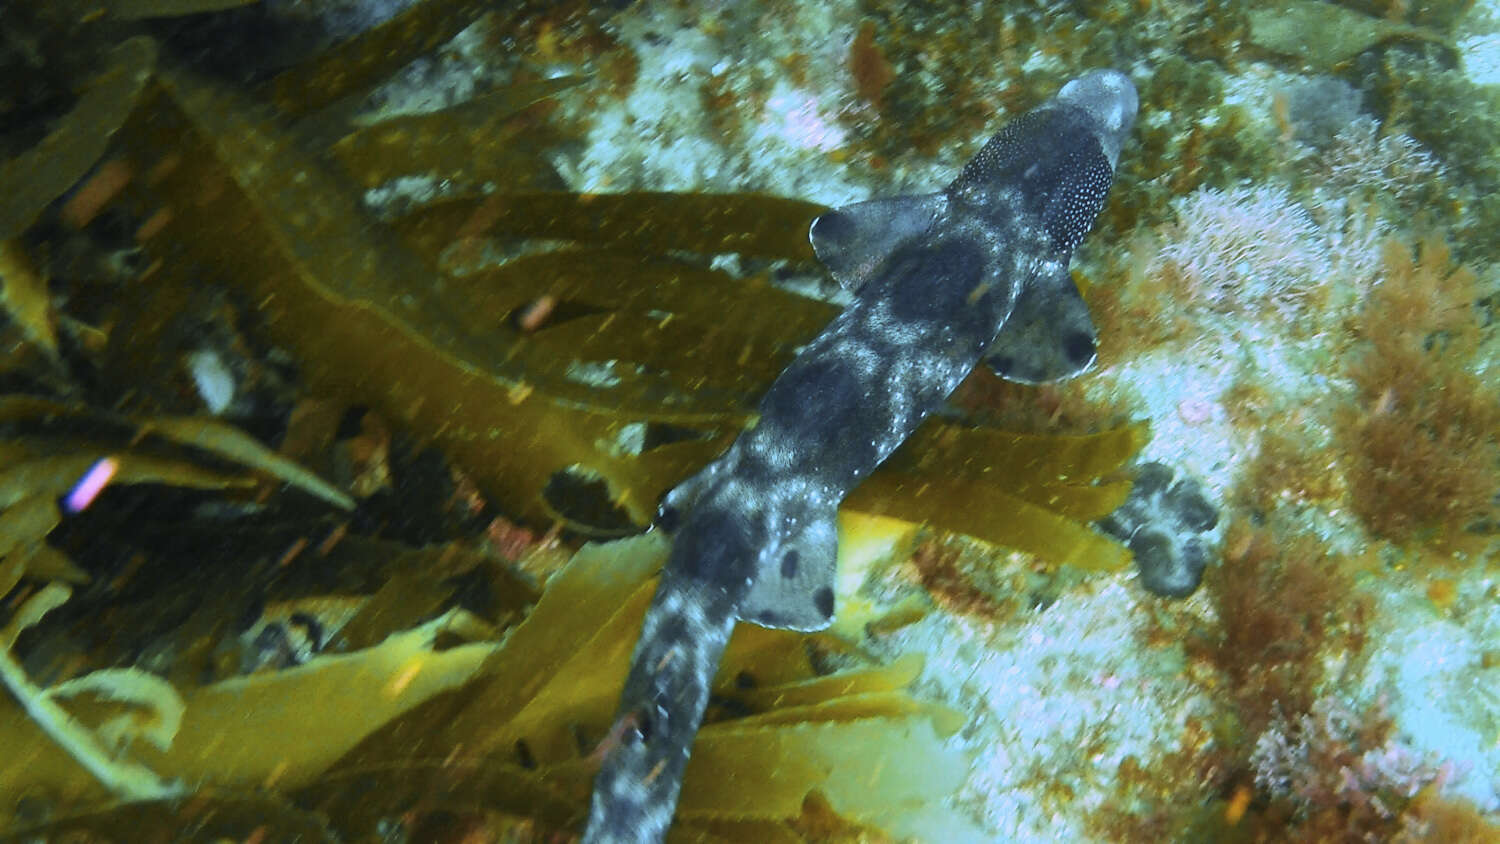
(977, 271)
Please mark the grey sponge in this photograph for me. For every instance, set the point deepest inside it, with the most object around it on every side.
(1161, 523)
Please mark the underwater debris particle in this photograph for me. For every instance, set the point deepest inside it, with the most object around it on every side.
(533, 316)
(215, 383)
(153, 225)
(1195, 411)
(594, 373)
(1238, 803)
(1442, 592)
(100, 189)
(91, 484)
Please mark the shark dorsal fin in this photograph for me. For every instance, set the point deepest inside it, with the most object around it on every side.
(1049, 335)
(852, 241)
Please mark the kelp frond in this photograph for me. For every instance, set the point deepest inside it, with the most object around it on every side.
(88, 747)
(510, 727)
(532, 334)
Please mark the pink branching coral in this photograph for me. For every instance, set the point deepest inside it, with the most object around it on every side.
(1242, 244)
(1242, 249)
(1361, 158)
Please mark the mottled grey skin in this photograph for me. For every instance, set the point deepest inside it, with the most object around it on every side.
(976, 271)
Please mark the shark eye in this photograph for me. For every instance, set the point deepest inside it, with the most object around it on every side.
(1079, 348)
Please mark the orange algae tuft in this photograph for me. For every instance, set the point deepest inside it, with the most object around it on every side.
(1281, 602)
(872, 71)
(965, 582)
(1442, 592)
(1287, 469)
(1423, 439)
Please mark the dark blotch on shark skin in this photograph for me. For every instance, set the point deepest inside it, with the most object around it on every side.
(667, 518)
(933, 282)
(814, 400)
(719, 550)
(789, 562)
(674, 628)
(1161, 522)
(823, 600)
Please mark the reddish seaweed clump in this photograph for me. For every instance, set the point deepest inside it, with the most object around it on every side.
(1281, 602)
(867, 62)
(1424, 457)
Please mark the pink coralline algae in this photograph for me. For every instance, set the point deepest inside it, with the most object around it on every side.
(1331, 757)
(1242, 245)
(1246, 248)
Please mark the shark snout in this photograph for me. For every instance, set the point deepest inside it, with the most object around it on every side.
(1109, 98)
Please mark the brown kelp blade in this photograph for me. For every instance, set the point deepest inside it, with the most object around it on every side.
(212, 816)
(374, 324)
(472, 143)
(34, 178)
(548, 694)
(142, 9)
(631, 340)
(748, 224)
(373, 55)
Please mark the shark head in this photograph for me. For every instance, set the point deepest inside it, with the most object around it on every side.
(1110, 101)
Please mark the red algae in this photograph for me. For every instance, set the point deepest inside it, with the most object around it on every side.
(1424, 457)
(872, 71)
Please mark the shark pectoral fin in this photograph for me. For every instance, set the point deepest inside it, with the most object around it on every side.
(853, 240)
(794, 588)
(1049, 335)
